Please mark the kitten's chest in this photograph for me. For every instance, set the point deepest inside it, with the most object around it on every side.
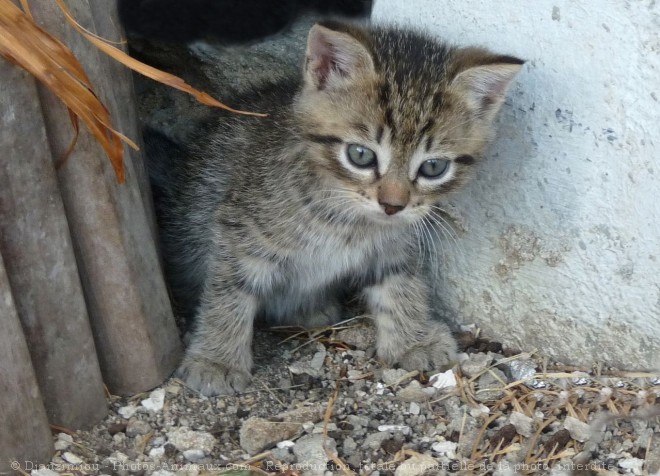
(329, 261)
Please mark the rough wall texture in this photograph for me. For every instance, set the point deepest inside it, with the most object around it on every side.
(561, 242)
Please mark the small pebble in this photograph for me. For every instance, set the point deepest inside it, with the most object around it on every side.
(579, 430)
(155, 401)
(71, 458)
(443, 380)
(318, 360)
(524, 425)
(402, 428)
(44, 472)
(194, 454)
(128, 411)
(157, 453)
(447, 448)
(137, 427)
(634, 464)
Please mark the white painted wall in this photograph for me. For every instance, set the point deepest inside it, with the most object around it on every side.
(562, 249)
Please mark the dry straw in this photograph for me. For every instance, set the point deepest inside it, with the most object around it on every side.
(29, 46)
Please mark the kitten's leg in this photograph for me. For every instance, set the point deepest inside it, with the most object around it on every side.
(219, 358)
(405, 334)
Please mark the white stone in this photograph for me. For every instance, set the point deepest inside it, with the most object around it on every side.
(71, 458)
(285, 444)
(447, 448)
(65, 437)
(579, 430)
(524, 424)
(318, 359)
(308, 426)
(127, 412)
(634, 464)
(414, 408)
(443, 380)
(405, 429)
(155, 401)
(186, 439)
(44, 472)
(194, 454)
(61, 445)
(479, 411)
(157, 453)
(63, 441)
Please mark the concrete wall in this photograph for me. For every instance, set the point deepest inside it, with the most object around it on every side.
(561, 247)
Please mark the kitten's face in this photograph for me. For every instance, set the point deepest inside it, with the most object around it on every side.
(393, 129)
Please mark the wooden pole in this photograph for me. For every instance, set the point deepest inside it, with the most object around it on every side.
(24, 432)
(40, 263)
(112, 224)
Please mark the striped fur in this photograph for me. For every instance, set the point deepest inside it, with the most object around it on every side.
(269, 217)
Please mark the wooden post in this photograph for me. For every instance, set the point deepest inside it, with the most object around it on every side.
(112, 224)
(24, 432)
(40, 264)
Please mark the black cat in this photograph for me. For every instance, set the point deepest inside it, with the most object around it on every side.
(229, 21)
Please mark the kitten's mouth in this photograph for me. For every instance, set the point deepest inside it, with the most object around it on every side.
(382, 217)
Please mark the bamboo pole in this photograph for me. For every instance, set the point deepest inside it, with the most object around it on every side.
(24, 434)
(40, 263)
(112, 225)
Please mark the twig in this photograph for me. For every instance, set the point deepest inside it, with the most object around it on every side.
(326, 419)
(536, 437)
(61, 429)
(480, 435)
(272, 394)
(255, 458)
(460, 433)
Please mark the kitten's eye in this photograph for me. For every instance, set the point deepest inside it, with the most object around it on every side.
(361, 156)
(434, 168)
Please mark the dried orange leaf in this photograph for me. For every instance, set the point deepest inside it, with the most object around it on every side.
(27, 45)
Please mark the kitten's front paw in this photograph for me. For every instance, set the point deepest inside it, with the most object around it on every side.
(435, 350)
(211, 378)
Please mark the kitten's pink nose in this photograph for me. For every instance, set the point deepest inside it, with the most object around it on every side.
(393, 196)
(391, 209)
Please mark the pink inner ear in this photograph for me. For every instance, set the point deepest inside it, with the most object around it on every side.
(320, 58)
(332, 54)
(488, 84)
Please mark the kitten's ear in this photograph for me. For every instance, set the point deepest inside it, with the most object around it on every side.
(484, 86)
(334, 58)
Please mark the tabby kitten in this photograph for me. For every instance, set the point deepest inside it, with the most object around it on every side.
(287, 217)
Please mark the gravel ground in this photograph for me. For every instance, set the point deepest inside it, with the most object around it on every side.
(321, 404)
